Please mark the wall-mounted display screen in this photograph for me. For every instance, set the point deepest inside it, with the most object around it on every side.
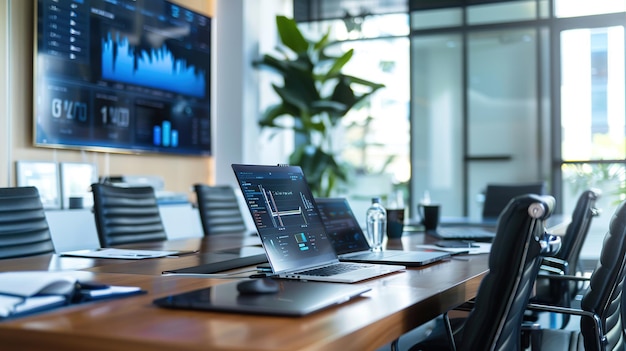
(122, 75)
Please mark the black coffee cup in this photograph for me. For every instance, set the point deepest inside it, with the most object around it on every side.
(395, 222)
(430, 215)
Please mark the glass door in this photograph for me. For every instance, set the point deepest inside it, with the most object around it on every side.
(503, 139)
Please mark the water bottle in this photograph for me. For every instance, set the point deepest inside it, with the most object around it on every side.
(376, 218)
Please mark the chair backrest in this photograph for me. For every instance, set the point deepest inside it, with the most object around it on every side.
(24, 229)
(577, 230)
(126, 215)
(497, 196)
(604, 295)
(496, 320)
(219, 209)
(561, 292)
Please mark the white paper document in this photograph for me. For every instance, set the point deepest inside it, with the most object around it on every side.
(29, 283)
(18, 290)
(10, 305)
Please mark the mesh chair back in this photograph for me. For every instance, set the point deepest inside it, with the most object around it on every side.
(219, 209)
(126, 215)
(496, 320)
(561, 292)
(23, 226)
(577, 230)
(604, 295)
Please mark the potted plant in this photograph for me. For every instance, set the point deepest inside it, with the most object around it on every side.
(315, 94)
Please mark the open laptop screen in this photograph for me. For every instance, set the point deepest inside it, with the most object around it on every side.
(285, 215)
(342, 227)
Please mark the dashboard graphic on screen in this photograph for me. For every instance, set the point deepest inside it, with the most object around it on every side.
(280, 203)
(122, 75)
(284, 213)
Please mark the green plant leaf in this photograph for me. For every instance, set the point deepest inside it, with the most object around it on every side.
(294, 98)
(315, 94)
(364, 82)
(271, 62)
(344, 93)
(323, 42)
(319, 167)
(269, 117)
(340, 62)
(290, 35)
(329, 106)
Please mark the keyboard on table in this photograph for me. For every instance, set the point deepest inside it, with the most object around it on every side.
(333, 269)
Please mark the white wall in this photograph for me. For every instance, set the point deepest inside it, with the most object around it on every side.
(5, 107)
(244, 30)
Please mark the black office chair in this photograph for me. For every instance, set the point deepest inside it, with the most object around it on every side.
(602, 308)
(126, 215)
(219, 210)
(497, 196)
(566, 261)
(24, 229)
(495, 321)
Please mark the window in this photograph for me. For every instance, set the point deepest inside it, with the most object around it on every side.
(485, 105)
(592, 93)
(375, 138)
(577, 8)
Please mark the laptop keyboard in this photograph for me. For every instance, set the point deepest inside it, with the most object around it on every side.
(332, 269)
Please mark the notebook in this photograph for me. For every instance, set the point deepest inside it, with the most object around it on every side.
(350, 242)
(291, 229)
(295, 298)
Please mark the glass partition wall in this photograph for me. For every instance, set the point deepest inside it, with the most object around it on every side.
(493, 92)
(479, 101)
(535, 91)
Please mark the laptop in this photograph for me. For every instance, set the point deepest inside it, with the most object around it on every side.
(463, 233)
(294, 298)
(350, 242)
(291, 229)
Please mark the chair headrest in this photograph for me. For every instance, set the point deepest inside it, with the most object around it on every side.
(542, 207)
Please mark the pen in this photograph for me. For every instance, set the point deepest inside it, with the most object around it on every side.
(183, 253)
(262, 275)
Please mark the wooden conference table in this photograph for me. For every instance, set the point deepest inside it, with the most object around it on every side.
(396, 304)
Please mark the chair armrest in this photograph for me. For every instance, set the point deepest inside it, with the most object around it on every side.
(554, 262)
(573, 311)
(550, 271)
(563, 277)
(553, 265)
(559, 309)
